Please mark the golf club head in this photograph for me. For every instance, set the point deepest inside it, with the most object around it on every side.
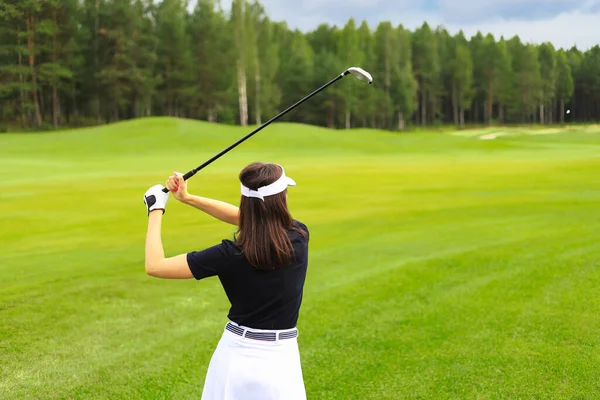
(361, 74)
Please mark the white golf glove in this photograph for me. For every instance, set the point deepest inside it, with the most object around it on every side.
(156, 199)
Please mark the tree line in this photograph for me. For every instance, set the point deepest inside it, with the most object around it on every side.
(84, 62)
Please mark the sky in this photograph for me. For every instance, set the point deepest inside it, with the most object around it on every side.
(564, 23)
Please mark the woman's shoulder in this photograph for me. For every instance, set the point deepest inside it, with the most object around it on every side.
(302, 227)
(300, 224)
(229, 246)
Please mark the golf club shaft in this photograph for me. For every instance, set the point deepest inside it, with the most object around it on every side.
(193, 172)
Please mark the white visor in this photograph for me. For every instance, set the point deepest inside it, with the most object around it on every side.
(276, 187)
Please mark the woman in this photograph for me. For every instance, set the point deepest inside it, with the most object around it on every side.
(262, 272)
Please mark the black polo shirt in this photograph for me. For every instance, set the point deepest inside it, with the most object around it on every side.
(260, 299)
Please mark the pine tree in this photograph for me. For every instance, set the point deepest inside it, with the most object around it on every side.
(461, 67)
(491, 56)
(528, 81)
(144, 81)
(564, 82)
(174, 56)
(296, 71)
(589, 76)
(547, 57)
(505, 92)
(324, 41)
(213, 60)
(268, 53)
(477, 47)
(349, 51)
(13, 66)
(91, 32)
(57, 36)
(427, 70)
(116, 75)
(365, 102)
(243, 48)
(575, 57)
(387, 63)
(404, 94)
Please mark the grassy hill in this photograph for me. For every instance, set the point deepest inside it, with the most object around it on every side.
(441, 265)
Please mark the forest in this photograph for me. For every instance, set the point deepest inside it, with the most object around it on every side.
(71, 63)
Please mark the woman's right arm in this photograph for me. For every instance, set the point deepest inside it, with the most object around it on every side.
(223, 211)
(215, 208)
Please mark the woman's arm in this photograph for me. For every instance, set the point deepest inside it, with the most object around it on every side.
(215, 208)
(222, 211)
(155, 262)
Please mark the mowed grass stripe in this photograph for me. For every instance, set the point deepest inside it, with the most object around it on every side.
(441, 266)
(462, 327)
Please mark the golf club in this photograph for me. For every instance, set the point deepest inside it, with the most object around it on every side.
(359, 73)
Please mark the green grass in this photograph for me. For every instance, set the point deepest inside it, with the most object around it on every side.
(441, 266)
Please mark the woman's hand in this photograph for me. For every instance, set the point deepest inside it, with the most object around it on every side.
(178, 186)
(218, 209)
(156, 199)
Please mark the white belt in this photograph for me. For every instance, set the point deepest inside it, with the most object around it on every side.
(265, 336)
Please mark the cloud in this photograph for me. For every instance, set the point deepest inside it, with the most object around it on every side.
(574, 28)
(469, 11)
(563, 23)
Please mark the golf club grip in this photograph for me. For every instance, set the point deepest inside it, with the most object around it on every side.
(186, 176)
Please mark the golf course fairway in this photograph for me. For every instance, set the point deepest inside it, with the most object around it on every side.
(441, 266)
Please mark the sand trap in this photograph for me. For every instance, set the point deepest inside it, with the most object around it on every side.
(491, 136)
(545, 131)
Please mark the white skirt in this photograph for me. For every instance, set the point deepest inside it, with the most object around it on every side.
(247, 369)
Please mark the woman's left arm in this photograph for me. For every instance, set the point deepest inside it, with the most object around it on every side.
(155, 262)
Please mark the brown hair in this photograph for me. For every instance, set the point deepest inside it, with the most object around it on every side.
(263, 228)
